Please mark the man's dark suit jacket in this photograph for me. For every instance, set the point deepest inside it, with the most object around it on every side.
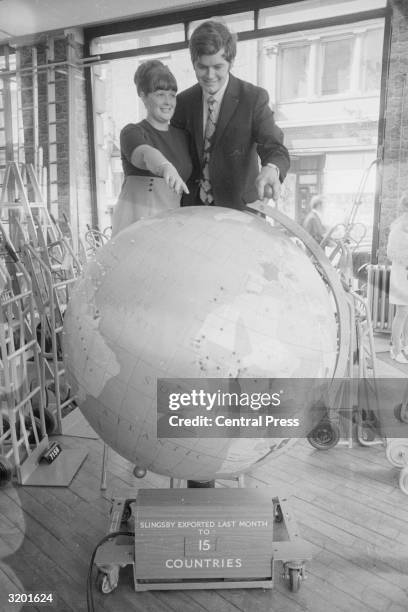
(245, 129)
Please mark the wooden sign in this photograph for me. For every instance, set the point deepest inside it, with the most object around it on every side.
(203, 539)
(203, 534)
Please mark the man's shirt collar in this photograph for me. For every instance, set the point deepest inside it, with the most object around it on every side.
(218, 96)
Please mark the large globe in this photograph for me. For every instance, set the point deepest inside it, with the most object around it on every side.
(199, 292)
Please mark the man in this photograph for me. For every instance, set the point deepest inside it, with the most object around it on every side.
(230, 126)
(313, 222)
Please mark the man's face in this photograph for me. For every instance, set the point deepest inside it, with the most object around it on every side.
(212, 71)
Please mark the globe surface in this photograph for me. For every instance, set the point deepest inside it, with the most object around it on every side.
(200, 292)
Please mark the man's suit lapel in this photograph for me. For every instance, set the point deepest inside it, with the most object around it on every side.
(228, 106)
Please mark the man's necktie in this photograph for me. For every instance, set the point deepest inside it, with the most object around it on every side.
(206, 194)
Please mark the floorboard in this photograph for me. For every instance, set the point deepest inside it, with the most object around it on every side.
(345, 500)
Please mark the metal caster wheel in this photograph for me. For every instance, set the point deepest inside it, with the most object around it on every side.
(65, 392)
(106, 583)
(127, 511)
(295, 578)
(403, 480)
(30, 429)
(400, 413)
(397, 452)
(6, 471)
(366, 433)
(50, 421)
(325, 435)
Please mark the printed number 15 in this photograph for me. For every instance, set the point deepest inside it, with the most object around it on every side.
(204, 545)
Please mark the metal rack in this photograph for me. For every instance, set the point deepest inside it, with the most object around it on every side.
(23, 438)
(53, 267)
(40, 266)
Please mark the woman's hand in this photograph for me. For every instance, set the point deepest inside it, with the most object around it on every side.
(149, 158)
(173, 179)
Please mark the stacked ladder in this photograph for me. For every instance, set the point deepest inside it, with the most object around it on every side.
(51, 263)
(23, 431)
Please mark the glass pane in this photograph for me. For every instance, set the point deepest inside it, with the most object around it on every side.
(122, 103)
(336, 59)
(293, 72)
(116, 98)
(136, 40)
(11, 61)
(246, 62)
(241, 22)
(301, 71)
(372, 60)
(308, 10)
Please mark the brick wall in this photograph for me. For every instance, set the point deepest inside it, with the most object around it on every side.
(73, 170)
(395, 167)
(81, 213)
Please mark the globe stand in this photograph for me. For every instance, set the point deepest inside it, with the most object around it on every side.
(327, 433)
(328, 272)
(203, 538)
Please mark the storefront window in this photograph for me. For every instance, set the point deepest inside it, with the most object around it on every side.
(323, 82)
(336, 66)
(293, 72)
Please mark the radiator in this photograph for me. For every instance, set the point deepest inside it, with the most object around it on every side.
(378, 288)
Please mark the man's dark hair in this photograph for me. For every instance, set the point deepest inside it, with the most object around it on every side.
(209, 38)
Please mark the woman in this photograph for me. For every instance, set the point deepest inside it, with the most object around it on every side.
(155, 157)
(397, 251)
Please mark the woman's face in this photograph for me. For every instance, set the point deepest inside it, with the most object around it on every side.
(160, 105)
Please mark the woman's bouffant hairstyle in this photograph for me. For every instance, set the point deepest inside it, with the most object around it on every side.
(153, 75)
(211, 36)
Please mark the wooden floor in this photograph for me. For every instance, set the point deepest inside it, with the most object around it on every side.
(346, 501)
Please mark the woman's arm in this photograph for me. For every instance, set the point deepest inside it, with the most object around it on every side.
(147, 157)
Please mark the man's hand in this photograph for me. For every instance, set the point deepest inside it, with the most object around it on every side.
(267, 183)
